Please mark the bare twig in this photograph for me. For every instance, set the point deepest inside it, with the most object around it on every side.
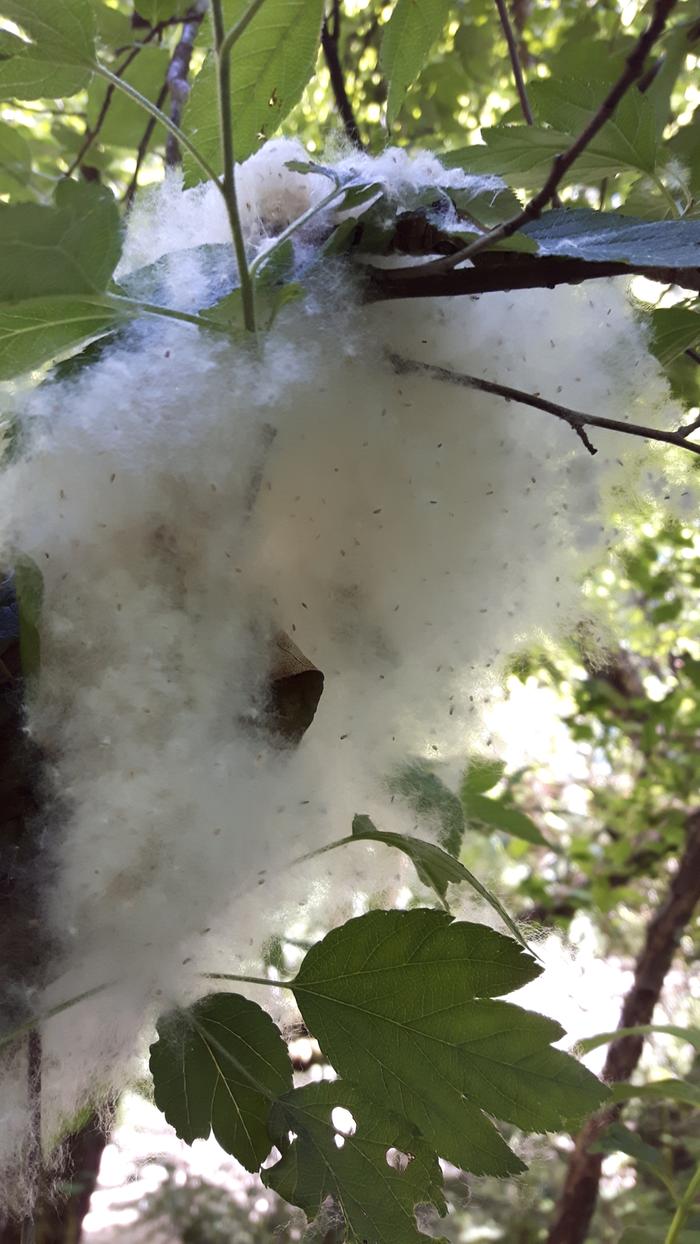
(687, 428)
(577, 1204)
(634, 67)
(143, 148)
(176, 80)
(330, 42)
(515, 61)
(576, 419)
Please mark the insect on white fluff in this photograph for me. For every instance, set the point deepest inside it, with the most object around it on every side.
(408, 534)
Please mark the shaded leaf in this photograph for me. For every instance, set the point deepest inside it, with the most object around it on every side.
(673, 331)
(58, 58)
(619, 1139)
(125, 121)
(399, 1002)
(15, 158)
(409, 35)
(499, 815)
(40, 329)
(377, 1199)
(435, 867)
(29, 594)
(628, 139)
(585, 234)
(217, 1067)
(428, 796)
(658, 1090)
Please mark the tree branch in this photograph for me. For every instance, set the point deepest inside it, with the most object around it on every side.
(330, 40)
(576, 419)
(176, 80)
(515, 61)
(634, 67)
(578, 1200)
(143, 148)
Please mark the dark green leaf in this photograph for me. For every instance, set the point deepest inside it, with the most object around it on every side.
(409, 35)
(271, 64)
(585, 234)
(619, 1139)
(376, 1197)
(218, 1067)
(435, 868)
(29, 591)
(499, 815)
(397, 1001)
(15, 158)
(41, 329)
(428, 796)
(70, 248)
(57, 61)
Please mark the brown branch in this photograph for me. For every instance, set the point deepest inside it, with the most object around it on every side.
(578, 1200)
(330, 40)
(576, 419)
(176, 80)
(143, 148)
(515, 61)
(634, 67)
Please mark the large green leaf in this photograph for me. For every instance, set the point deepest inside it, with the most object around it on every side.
(408, 38)
(400, 1004)
(522, 155)
(218, 1067)
(429, 797)
(584, 234)
(156, 11)
(376, 1198)
(58, 58)
(70, 248)
(435, 867)
(40, 329)
(628, 138)
(270, 66)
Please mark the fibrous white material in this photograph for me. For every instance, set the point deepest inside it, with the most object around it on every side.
(186, 500)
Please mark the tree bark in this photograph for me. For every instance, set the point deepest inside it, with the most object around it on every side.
(577, 1204)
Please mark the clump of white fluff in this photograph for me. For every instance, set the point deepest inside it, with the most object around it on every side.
(407, 533)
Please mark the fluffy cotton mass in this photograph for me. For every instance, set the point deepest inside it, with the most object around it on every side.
(186, 502)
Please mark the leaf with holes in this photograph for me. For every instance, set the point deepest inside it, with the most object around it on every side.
(409, 35)
(218, 1067)
(435, 868)
(57, 58)
(401, 1005)
(376, 1173)
(270, 65)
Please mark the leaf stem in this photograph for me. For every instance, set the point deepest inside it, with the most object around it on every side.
(6, 1038)
(247, 980)
(223, 44)
(148, 308)
(159, 115)
(684, 1207)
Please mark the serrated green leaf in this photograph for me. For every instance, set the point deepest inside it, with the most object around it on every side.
(499, 815)
(270, 66)
(692, 1035)
(70, 248)
(58, 58)
(429, 797)
(658, 1090)
(40, 329)
(409, 35)
(398, 1003)
(673, 331)
(217, 1067)
(29, 593)
(628, 139)
(482, 774)
(377, 1199)
(435, 867)
(523, 155)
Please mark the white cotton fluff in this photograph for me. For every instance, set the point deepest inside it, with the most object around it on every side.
(185, 502)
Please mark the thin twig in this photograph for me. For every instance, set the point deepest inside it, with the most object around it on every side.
(176, 80)
(330, 42)
(687, 428)
(143, 148)
(515, 61)
(634, 67)
(576, 419)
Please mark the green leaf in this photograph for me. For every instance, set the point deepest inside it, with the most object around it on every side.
(482, 774)
(585, 234)
(156, 11)
(217, 1067)
(398, 1003)
(409, 35)
(41, 329)
(523, 155)
(270, 66)
(636, 1235)
(428, 796)
(125, 121)
(692, 1035)
(59, 57)
(500, 816)
(435, 868)
(619, 1139)
(70, 248)
(15, 158)
(674, 330)
(628, 139)
(377, 1198)
(29, 592)
(659, 1090)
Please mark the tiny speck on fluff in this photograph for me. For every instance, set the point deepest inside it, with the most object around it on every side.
(407, 533)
